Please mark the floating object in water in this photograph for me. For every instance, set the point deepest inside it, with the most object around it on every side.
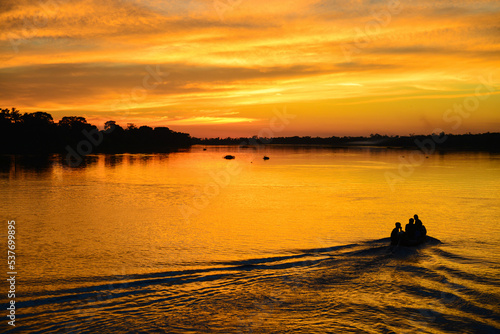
(204, 149)
(229, 157)
(266, 158)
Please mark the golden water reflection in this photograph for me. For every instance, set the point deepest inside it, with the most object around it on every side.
(141, 212)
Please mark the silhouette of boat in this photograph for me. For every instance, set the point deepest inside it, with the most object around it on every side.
(266, 158)
(229, 157)
(412, 242)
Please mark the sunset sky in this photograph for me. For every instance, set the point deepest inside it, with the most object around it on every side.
(226, 67)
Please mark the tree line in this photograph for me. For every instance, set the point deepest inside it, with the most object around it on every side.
(484, 141)
(37, 133)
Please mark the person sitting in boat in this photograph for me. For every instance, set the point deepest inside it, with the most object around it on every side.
(420, 227)
(396, 234)
(410, 230)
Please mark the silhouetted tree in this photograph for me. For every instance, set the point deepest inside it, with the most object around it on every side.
(109, 125)
(13, 115)
(38, 118)
(38, 133)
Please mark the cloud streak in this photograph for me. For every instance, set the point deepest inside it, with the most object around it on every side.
(73, 56)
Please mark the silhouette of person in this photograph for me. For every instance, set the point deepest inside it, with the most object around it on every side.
(415, 217)
(410, 229)
(396, 234)
(420, 228)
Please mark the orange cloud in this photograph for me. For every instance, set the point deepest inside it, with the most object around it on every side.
(319, 58)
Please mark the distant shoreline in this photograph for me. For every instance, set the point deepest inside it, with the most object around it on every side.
(37, 133)
(381, 147)
(486, 142)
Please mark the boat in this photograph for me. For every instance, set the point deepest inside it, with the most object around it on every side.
(412, 246)
(229, 157)
(414, 235)
(406, 242)
(266, 158)
(412, 242)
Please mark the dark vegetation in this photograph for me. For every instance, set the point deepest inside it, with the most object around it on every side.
(37, 132)
(485, 141)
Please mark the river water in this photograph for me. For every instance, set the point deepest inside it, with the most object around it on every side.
(189, 242)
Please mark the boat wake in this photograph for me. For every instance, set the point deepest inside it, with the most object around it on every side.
(362, 287)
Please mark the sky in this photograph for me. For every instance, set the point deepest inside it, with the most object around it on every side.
(218, 68)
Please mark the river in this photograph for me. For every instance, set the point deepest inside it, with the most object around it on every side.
(190, 242)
